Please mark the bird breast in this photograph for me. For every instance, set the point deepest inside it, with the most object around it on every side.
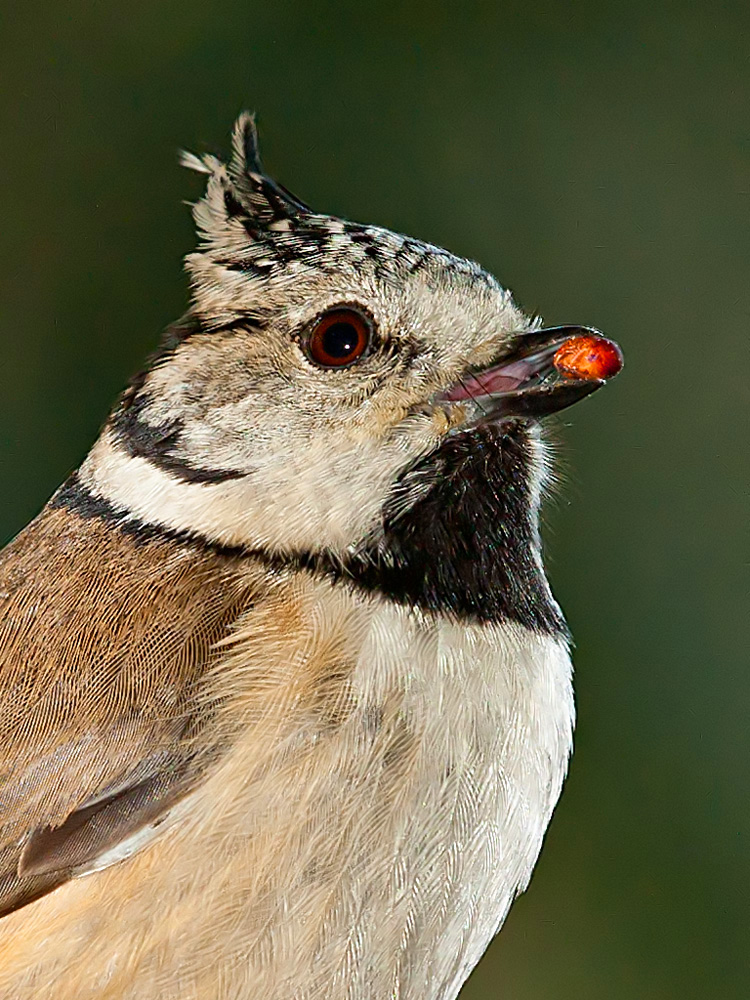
(390, 778)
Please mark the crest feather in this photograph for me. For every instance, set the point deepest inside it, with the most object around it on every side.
(193, 162)
(241, 188)
(245, 147)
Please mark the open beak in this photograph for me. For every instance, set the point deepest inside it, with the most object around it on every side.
(527, 383)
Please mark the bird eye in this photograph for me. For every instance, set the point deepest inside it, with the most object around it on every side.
(339, 338)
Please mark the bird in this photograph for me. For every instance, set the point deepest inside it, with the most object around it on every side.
(285, 697)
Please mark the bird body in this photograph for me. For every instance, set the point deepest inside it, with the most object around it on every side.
(285, 700)
(383, 803)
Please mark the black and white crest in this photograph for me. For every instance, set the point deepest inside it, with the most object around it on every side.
(254, 225)
(249, 194)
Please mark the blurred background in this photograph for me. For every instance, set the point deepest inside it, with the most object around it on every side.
(596, 157)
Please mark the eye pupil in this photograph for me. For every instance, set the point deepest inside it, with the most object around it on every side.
(338, 338)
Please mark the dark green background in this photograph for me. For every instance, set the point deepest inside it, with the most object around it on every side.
(595, 157)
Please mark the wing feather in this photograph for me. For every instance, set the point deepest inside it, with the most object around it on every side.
(106, 648)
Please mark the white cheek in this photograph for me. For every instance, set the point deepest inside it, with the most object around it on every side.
(325, 493)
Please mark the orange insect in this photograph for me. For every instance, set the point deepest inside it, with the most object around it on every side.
(588, 357)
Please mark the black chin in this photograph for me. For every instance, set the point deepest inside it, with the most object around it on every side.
(466, 547)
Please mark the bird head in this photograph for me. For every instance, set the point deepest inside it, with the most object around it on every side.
(333, 388)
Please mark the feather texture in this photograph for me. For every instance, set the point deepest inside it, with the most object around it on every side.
(98, 726)
(375, 788)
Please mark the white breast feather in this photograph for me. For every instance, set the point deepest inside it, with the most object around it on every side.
(403, 837)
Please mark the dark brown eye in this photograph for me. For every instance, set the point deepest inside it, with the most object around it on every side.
(339, 338)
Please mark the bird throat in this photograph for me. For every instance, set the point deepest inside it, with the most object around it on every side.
(468, 546)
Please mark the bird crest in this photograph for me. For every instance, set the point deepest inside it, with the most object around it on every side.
(241, 190)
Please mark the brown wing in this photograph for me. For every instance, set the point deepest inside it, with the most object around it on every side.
(106, 644)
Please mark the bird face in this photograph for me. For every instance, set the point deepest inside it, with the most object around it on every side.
(316, 367)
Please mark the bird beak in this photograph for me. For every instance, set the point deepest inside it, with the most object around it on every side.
(526, 382)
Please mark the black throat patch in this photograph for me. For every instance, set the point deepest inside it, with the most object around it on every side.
(467, 546)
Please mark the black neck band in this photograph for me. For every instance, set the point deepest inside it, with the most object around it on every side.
(466, 547)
